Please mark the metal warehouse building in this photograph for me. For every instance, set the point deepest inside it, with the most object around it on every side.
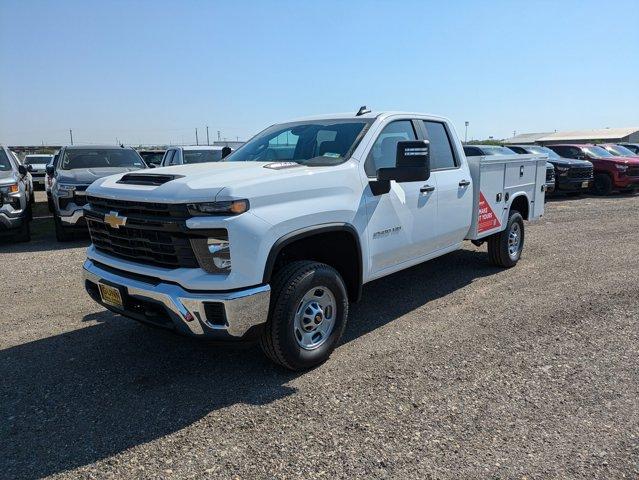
(599, 135)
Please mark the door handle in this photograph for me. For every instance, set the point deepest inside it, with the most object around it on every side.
(427, 189)
(464, 183)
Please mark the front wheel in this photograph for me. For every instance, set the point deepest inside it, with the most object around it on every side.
(602, 184)
(307, 317)
(62, 234)
(505, 247)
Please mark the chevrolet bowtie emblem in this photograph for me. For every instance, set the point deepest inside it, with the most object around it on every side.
(114, 220)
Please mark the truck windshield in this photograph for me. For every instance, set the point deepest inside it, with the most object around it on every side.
(320, 142)
(543, 151)
(201, 156)
(5, 165)
(488, 150)
(37, 160)
(620, 151)
(597, 152)
(100, 158)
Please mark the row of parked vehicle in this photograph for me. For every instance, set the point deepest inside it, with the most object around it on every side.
(67, 174)
(575, 168)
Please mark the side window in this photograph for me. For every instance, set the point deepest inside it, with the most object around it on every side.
(575, 152)
(384, 149)
(441, 151)
(175, 158)
(167, 158)
(471, 152)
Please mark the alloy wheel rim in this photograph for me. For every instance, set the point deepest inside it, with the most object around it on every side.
(315, 318)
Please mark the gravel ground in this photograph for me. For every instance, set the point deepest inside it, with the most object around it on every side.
(452, 369)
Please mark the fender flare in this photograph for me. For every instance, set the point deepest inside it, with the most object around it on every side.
(310, 231)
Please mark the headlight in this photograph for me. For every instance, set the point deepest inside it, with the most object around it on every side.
(65, 190)
(233, 207)
(12, 188)
(620, 167)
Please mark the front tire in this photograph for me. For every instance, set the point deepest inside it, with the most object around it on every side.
(307, 316)
(62, 234)
(24, 233)
(505, 247)
(602, 184)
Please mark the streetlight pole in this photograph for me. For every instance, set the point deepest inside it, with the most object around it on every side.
(207, 135)
(197, 141)
(466, 132)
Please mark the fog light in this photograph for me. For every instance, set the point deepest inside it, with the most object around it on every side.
(213, 253)
(220, 252)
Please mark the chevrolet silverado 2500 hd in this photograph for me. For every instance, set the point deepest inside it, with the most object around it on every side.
(276, 240)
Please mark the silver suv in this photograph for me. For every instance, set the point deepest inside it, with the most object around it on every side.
(16, 193)
(76, 168)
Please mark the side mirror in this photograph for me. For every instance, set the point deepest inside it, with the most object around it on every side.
(50, 170)
(151, 165)
(29, 168)
(226, 151)
(412, 164)
(22, 170)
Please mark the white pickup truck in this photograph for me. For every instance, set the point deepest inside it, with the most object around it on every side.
(274, 241)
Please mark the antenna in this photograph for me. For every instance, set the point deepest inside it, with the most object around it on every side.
(362, 110)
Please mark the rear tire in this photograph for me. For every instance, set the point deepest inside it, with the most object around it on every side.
(602, 184)
(307, 315)
(505, 247)
(62, 234)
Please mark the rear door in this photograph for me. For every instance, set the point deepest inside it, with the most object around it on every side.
(454, 191)
(402, 223)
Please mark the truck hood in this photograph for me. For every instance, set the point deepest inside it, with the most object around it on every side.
(570, 162)
(203, 182)
(86, 176)
(620, 160)
(7, 176)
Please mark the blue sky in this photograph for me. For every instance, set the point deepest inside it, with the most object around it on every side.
(153, 71)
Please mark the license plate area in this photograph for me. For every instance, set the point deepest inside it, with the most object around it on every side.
(111, 295)
(585, 184)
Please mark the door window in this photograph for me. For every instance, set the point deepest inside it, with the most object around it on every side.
(441, 151)
(167, 158)
(176, 158)
(384, 150)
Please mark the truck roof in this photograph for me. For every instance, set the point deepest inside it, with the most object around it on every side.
(95, 147)
(197, 147)
(370, 115)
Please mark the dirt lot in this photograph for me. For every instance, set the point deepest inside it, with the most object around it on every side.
(452, 369)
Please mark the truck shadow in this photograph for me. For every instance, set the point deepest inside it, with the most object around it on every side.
(78, 397)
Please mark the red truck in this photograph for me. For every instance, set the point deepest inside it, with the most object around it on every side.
(611, 172)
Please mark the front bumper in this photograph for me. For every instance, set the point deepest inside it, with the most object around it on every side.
(219, 315)
(573, 184)
(11, 222)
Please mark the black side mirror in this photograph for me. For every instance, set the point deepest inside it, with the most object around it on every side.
(50, 170)
(412, 164)
(22, 170)
(29, 168)
(226, 151)
(151, 165)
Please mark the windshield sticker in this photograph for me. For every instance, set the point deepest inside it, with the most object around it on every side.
(282, 165)
(331, 155)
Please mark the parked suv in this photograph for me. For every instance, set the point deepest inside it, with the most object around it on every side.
(611, 173)
(76, 168)
(477, 150)
(194, 154)
(36, 164)
(571, 175)
(15, 197)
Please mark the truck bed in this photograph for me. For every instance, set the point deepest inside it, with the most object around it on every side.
(497, 181)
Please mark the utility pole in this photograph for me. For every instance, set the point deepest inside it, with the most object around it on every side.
(466, 132)
(71, 135)
(218, 135)
(514, 133)
(197, 142)
(207, 135)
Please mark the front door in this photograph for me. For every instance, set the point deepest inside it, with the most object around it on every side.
(401, 223)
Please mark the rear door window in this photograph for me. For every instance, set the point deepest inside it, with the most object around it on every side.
(441, 150)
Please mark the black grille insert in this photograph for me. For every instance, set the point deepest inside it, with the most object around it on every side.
(585, 173)
(215, 313)
(147, 209)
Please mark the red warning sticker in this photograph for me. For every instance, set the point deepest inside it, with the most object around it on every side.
(487, 220)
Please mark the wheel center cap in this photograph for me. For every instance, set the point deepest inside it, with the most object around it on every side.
(318, 319)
